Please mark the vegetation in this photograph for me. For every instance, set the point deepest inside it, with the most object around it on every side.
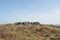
(29, 31)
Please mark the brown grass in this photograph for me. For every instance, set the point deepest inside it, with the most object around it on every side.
(29, 32)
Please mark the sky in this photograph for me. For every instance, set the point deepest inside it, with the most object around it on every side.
(43, 11)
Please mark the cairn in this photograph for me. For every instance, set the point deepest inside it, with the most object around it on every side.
(27, 23)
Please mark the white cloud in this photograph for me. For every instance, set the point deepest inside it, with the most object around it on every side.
(52, 17)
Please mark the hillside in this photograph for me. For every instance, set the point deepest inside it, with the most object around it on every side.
(29, 31)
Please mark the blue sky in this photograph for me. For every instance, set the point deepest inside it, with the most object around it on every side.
(43, 11)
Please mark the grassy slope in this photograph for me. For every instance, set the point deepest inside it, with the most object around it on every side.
(29, 32)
